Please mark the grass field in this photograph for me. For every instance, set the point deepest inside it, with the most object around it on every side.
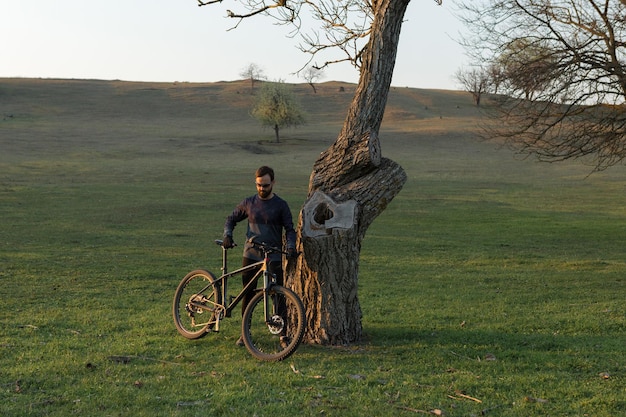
(491, 285)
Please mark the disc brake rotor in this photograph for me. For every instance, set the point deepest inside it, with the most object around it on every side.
(276, 325)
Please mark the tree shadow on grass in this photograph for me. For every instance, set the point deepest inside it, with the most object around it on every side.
(578, 352)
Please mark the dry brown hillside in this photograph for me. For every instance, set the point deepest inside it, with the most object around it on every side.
(48, 116)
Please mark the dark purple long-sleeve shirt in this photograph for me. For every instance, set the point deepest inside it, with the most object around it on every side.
(266, 221)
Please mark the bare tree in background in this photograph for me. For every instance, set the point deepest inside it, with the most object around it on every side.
(253, 73)
(312, 75)
(475, 81)
(563, 72)
(351, 182)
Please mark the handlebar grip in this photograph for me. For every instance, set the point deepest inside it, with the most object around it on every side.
(220, 242)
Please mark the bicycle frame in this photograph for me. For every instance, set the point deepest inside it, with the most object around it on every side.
(269, 279)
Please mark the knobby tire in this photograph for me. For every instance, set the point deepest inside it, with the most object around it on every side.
(263, 341)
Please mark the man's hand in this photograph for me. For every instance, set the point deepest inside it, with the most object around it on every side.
(228, 242)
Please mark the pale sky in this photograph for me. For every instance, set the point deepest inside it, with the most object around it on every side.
(175, 40)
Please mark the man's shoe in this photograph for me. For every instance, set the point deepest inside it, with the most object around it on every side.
(240, 342)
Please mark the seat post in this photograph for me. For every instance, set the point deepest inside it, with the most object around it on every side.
(224, 260)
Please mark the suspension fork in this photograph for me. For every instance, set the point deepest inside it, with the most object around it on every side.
(267, 282)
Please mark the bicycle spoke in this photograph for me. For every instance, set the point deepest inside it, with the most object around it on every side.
(279, 337)
(196, 307)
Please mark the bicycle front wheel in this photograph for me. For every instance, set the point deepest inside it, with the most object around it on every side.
(197, 304)
(277, 338)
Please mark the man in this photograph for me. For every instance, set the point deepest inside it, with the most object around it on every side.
(267, 215)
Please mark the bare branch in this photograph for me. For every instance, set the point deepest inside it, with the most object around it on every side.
(562, 70)
(263, 8)
(206, 3)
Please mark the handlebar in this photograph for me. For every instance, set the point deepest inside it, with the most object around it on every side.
(261, 245)
(265, 247)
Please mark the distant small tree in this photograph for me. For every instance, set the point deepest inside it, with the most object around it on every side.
(528, 67)
(311, 75)
(277, 107)
(476, 81)
(496, 77)
(253, 73)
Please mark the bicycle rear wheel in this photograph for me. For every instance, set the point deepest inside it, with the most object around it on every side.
(278, 339)
(197, 304)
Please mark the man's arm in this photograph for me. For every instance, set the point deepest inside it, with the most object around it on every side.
(239, 213)
(290, 233)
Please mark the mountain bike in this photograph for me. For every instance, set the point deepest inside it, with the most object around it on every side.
(272, 324)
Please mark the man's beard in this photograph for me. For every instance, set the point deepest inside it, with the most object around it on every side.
(265, 192)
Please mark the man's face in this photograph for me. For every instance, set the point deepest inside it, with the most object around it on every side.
(264, 186)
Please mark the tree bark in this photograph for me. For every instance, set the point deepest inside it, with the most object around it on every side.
(351, 184)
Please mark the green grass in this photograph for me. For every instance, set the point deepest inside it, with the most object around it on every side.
(487, 279)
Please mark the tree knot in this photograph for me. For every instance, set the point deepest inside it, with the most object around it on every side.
(322, 214)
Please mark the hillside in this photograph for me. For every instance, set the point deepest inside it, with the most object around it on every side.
(92, 112)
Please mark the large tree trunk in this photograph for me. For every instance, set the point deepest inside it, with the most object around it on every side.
(351, 184)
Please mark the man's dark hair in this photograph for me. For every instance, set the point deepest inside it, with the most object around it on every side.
(263, 171)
